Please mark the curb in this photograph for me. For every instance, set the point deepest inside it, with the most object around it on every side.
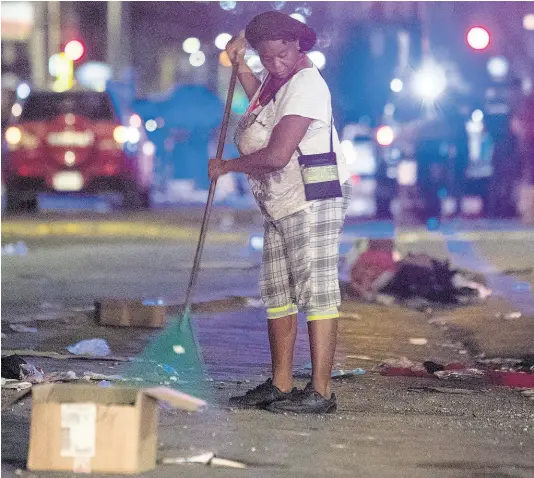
(110, 229)
(155, 230)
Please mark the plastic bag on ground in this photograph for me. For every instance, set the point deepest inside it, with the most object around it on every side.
(91, 348)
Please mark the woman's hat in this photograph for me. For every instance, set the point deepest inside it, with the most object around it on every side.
(275, 26)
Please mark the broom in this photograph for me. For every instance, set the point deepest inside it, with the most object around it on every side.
(175, 354)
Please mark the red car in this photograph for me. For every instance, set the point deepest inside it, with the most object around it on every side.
(75, 142)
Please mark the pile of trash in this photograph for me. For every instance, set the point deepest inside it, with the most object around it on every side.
(377, 273)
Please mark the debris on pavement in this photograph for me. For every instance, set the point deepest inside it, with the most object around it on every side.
(529, 393)
(30, 373)
(15, 384)
(58, 356)
(509, 315)
(348, 373)
(11, 366)
(22, 328)
(18, 249)
(208, 459)
(465, 374)
(418, 341)
(379, 275)
(454, 391)
(91, 348)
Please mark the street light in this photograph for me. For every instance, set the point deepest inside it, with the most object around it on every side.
(429, 82)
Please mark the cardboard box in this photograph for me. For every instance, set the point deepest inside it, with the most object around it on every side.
(129, 313)
(83, 428)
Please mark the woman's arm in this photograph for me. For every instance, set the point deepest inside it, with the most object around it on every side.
(286, 136)
(248, 80)
(236, 49)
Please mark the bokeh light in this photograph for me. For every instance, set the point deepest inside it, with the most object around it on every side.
(478, 38)
(197, 58)
(298, 16)
(224, 59)
(385, 135)
(477, 116)
(396, 85)
(191, 45)
(23, 91)
(498, 67)
(430, 82)
(151, 125)
(318, 59)
(74, 50)
(228, 5)
(135, 121)
(528, 21)
(222, 39)
(16, 110)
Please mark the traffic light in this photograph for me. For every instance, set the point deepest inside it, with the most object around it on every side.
(478, 38)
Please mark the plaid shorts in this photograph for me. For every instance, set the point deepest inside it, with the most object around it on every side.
(299, 270)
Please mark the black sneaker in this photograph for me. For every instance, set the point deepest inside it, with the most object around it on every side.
(261, 396)
(305, 401)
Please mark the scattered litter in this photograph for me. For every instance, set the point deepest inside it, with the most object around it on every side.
(58, 356)
(18, 249)
(61, 376)
(30, 373)
(22, 328)
(509, 315)
(512, 378)
(455, 391)
(465, 374)
(203, 459)
(363, 357)
(349, 315)
(255, 303)
(223, 462)
(11, 366)
(158, 301)
(529, 393)
(15, 384)
(348, 373)
(104, 384)
(433, 367)
(377, 275)
(99, 376)
(91, 348)
(418, 341)
(87, 308)
(208, 459)
(178, 349)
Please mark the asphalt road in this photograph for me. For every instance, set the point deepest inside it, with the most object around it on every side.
(386, 426)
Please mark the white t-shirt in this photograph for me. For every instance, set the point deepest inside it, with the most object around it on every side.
(306, 94)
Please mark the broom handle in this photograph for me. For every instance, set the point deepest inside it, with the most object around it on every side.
(209, 204)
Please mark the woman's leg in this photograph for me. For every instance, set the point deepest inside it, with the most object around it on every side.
(277, 292)
(323, 337)
(282, 336)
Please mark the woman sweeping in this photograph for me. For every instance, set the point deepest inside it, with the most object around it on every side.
(289, 150)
